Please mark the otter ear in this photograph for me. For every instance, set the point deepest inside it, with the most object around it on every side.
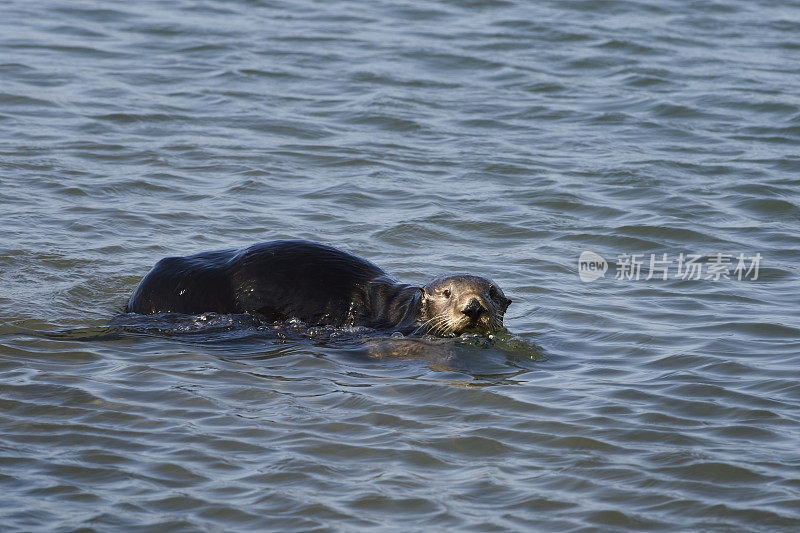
(422, 293)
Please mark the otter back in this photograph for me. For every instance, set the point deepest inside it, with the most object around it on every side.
(316, 283)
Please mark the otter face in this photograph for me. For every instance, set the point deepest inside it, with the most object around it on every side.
(462, 303)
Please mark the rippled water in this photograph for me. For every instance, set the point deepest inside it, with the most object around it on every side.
(498, 137)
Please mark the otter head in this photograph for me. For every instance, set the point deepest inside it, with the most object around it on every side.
(462, 303)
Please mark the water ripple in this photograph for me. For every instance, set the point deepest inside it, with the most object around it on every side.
(500, 137)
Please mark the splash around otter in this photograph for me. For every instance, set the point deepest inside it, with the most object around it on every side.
(320, 285)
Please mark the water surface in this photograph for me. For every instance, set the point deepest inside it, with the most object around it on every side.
(498, 137)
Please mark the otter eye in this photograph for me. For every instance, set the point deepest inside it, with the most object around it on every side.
(493, 292)
(446, 293)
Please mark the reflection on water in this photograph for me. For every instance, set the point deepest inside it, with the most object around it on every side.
(470, 353)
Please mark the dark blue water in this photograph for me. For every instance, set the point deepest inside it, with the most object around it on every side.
(502, 138)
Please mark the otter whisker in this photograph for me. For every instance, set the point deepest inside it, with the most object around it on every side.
(441, 325)
(436, 319)
(449, 325)
(433, 318)
(444, 326)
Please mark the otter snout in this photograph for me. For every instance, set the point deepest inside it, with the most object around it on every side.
(474, 309)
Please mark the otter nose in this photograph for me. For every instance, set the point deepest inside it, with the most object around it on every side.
(474, 309)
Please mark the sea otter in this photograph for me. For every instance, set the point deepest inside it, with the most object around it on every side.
(319, 285)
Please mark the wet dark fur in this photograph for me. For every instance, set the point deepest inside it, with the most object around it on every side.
(314, 282)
